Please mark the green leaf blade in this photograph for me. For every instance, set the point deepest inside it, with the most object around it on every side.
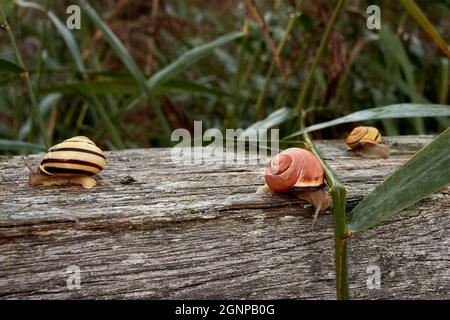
(183, 62)
(275, 118)
(69, 39)
(20, 146)
(123, 87)
(420, 17)
(46, 105)
(9, 71)
(404, 110)
(339, 197)
(122, 52)
(425, 173)
(10, 67)
(189, 58)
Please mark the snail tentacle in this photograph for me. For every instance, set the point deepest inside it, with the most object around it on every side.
(318, 198)
(316, 213)
(28, 165)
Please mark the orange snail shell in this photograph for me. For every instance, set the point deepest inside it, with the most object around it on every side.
(294, 168)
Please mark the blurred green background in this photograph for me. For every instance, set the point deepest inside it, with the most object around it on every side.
(233, 86)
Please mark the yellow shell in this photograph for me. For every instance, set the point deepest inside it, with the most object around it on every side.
(361, 136)
(72, 157)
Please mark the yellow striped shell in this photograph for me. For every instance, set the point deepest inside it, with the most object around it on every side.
(361, 136)
(72, 157)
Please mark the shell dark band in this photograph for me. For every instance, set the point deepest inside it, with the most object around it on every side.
(312, 188)
(55, 170)
(56, 149)
(49, 161)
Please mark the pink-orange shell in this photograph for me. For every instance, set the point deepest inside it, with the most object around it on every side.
(294, 167)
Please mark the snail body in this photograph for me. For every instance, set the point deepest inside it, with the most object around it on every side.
(297, 171)
(366, 142)
(73, 161)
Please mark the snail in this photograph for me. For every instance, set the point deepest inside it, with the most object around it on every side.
(365, 141)
(73, 161)
(298, 171)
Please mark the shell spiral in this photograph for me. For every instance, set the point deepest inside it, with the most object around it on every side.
(294, 168)
(361, 136)
(74, 156)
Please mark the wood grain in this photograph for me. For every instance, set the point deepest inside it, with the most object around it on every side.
(185, 231)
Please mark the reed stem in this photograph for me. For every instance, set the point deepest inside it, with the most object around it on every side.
(31, 94)
(305, 88)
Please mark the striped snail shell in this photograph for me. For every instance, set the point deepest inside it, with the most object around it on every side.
(72, 161)
(300, 172)
(361, 136)
(366, 142)
(74, 156)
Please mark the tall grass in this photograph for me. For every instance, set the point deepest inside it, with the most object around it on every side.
(31, 94)
(104, 91)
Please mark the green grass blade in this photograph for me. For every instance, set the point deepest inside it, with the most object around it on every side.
(388, 77)
(394, 50)
(20, 146)
(128, 61)
(74, 50)
(98, 87)
(10, 67)
(323, 43)
(393, 46)
(189, 58)
(67, 35)
(425, 173)
(47, 104)
(10, 71)
(420, 17)
(183, 62)
(32, 95)
(339, 199)
(405, 110)
(123, 87)
(444, 81)
(189, 87)
(275, 118)
(115, 43)
(259, 107)
(5, 78)
(237, 79)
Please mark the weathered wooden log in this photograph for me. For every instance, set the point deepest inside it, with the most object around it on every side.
(200, 231)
